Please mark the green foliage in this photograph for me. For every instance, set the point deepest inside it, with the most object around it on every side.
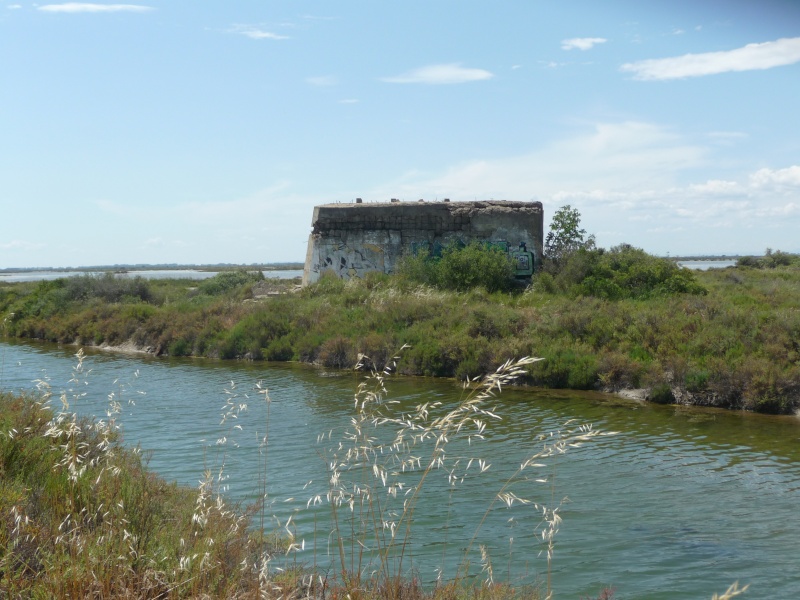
(770, 260)
(621, 272)
(661, 394)
(227, 282)
(565, 237)
(107, 287)
(461, 268)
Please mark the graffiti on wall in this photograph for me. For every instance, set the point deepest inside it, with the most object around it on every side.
(350, 262)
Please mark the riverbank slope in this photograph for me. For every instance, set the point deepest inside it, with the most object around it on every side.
(738, 346)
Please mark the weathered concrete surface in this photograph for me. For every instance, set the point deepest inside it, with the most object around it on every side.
(353, 239)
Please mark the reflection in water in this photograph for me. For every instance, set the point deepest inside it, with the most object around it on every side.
(680, 503)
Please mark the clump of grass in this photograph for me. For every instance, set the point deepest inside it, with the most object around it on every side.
(85, 518)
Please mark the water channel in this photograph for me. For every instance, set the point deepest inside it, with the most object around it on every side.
(679, 504)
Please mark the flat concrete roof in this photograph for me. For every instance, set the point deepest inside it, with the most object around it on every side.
(452, 203)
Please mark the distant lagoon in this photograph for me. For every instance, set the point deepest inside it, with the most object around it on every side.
(197, 274)
(705, 265)
(19, 276)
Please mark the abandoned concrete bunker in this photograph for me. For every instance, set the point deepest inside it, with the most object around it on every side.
(352, 239)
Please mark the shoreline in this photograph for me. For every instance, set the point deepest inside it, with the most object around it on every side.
(682, 397)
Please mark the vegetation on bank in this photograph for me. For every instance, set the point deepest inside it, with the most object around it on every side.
(610, 319)
(84, 518)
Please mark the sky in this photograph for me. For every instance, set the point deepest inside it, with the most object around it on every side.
(191, 132)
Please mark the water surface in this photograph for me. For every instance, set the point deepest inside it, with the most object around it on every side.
(681, 503)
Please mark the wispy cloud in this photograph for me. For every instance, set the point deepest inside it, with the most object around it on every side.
(81, 7)
(440, 74)
(322, 81)
(612, 156)
(348, 101)
(581, 43)
(21, 245)
(159, 242)
(785, 51)
(256, 33)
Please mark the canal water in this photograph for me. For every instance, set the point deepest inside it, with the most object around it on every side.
(680, 503)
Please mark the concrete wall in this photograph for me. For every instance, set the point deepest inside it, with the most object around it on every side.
(353, 239)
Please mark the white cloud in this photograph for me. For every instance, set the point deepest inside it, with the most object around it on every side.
(633, 182)
(785, 51)
(609, 156)
(322, 81)
(726, 138)
(715, 187)
(777, 179)
(80, 7)
(256, 33)
(348, 101)
(14, 6)
(581, 43)
(440, 74)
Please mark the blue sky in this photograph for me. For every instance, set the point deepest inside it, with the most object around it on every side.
(205, 132)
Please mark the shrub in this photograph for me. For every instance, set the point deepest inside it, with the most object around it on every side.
(696, 381)
(748, 261)
(228, 281)
(337, 352)
(280, 349)
(461, 268)
(770, 260)
(107, 287)
(661, 394)
(621, 272)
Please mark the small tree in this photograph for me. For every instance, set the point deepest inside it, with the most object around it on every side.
(565, 237)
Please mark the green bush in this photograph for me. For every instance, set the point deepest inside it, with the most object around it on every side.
(770, 260)
(107, 287)
(228, 281)
(279, 350)
(461, 268)
(618, 273)
(661, 394)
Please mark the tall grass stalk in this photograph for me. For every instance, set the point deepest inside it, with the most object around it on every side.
(377, 477)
